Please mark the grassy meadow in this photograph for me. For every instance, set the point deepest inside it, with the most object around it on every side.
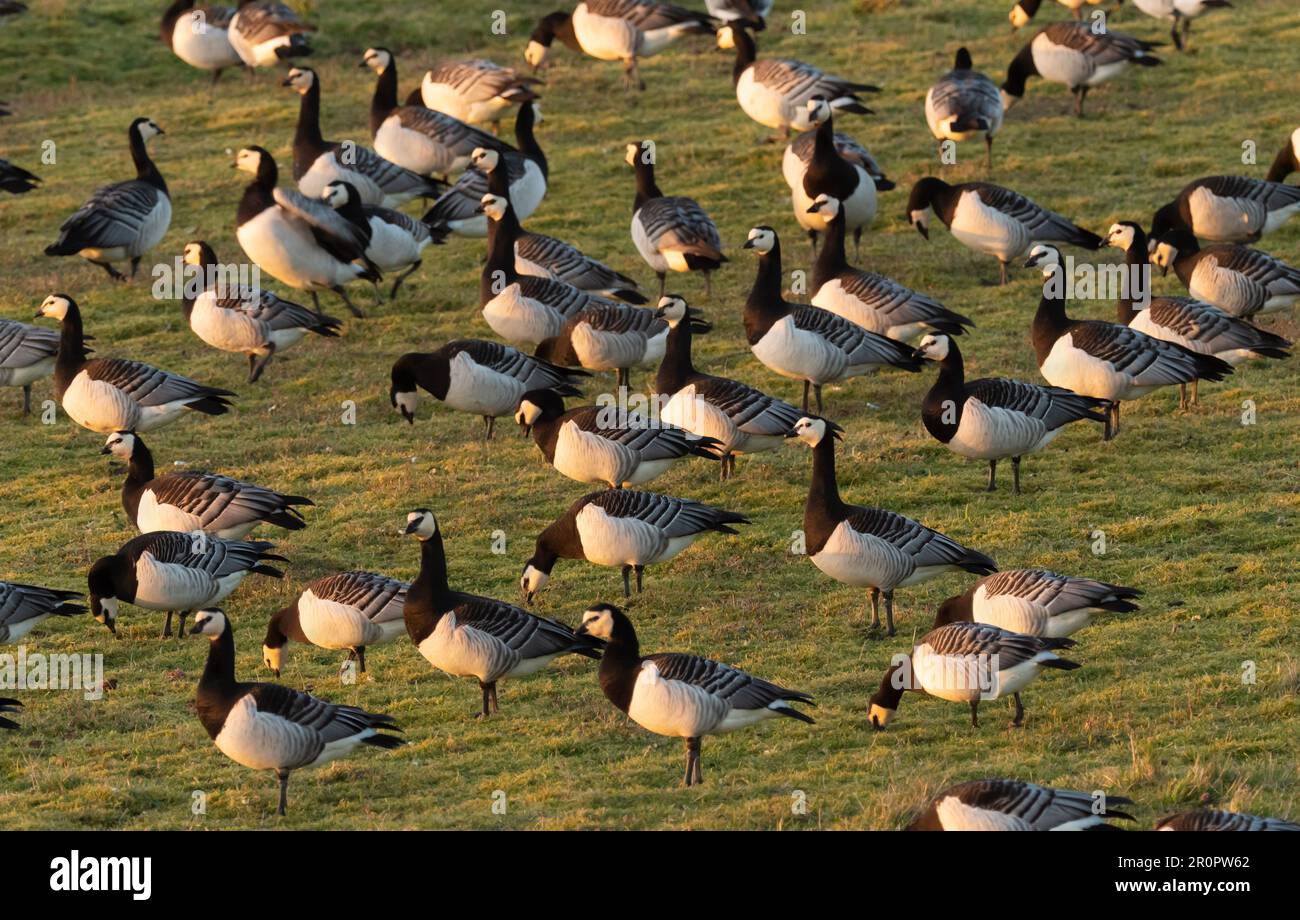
(1198, 509)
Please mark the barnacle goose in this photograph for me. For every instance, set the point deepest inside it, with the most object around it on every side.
(870, 547)
(808, 343)
(1287, 160)
(672, 233)
(1011, 805)
(1025, 10)
(420, 139)
(11, 706)
(993, 418)
(244, 320)
(265, 33)
(114, 394)
(466, 635)
(775, 91)
(619, 527)
(459, 209)
(1236, 279)
(270, 727)
(1036, 602)
(874, 302)
(1180, 12)
(298, 240)
(27, 353)
(200, 36)
(1210, 819)
(1073, 54)
(15, 180)
(616, 30)
(680, 695)
(190, 500)
(171, 571)
(122, 221)
(828, 171)
(1228, 209)
(318, 162)
(23, 607)
(608, 337)
(1196, 326)
(964, 103)
(991, 219)
(600, 444)
(477, 91)
(395, 243)
(1106, 360)
(966, 663)
(753, 12)
(471, 375)
(798, 158)
(522, 307)
(349, 610)
(742, 419)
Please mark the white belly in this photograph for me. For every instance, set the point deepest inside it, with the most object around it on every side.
(480, 390)
(286, 250)
(604, 38)
(228, 330)
(988, 230)
(862, 560)
(618, 541)
(151, 516)
(200, 44)
(586, 457)
(674, 708)
(460, 651)
(801, 355)
(167, 586)
(765, 106)
(990, 433)
(328, 624)
(1075, 369)
(326, 169)
(99, 406)
(517, 318)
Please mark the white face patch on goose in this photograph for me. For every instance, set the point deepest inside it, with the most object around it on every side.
(1164, 255)
(150, 130)
(528, 413)
(107, 612)
(934, 347)
(248, 160)
(407, 402)
(494, 206)
(810, 430)
(120, 444)
(421, 523)
(485, 159)
(1120, 235)
(1048, 258)
(55, 307)
(211, 623)
(818, 110)
(193, 255)
(726, 38)
(533, 580)
(921, 218)
(598, 623)
(827, 206)
(673, 309)
(301, 80)
(630, 155)
(377, 60)
(880, 716)
(535, 53)
(336, 195)
(762, 240)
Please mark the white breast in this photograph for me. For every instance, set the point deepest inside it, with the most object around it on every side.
(1060, 64)
(200, 44)
(673, 708)
(1075, 369)
(987, 229)
(604, 38)
(1225, 220)
(151, 516)
(328, 624)
(956, 815)
(802, 355)
(587, 457)
(697, 415)
(1012, 613)
(607, 351)
(764, 105)
(168, 586)
(649, 251)
(462, 651)
(481, 390)
(285, 249)
(989, 433)
(619, 541)
(259, 741)
(99, 406)
(517, 318)
(228, 330)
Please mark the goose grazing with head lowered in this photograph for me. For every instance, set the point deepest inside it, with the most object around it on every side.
(1194, 325)
(23, 607)
(466, 635)
(672, 233)
(1236, 279)
(1287, 160)
(1227, 209)
(270, 727)
(808, 343)
(265, 33)
(1010, 805)
(317, 162)
(1211, 819)
(964, 103)
(298, 240)
(523, 180)
(742, 419)
(608, 337)
(420, 139)
(991, 219)
(350, 610)
(1036, 602)
(993, 418)
(876, 303)
(1073, 54)
(616, 30)
(829, 172)
(27, 353)
(173, 571)
(966, 663)
(123, 221)
(396, 242)
(471, 375)
(189, 500)
(243, 319)
(1107, 360)
(870, 547)
(619, 527)
(599, 444)
(1180, 13)
(200, 36)
(15, 180)
(775, 91)
(114, 394)
(476, 90)
(680, 695)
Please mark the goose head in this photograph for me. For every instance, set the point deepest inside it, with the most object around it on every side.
(102, 587)
(494, 206)
(377, 59)
(250, 159)
(817, 110)
(761, 239)
(146, 128)
(211, 623)
(601, 621)
(1166, 250)
(402, 391)
(827, 206)
(421, 524)
(56, 306)
(198, 253)
(920, 203)
(640, 152)
(543, 36)
(672, 309)
(484, 160)
(536, 405)
(1045, 257)
(813, 430)
(301, 79)
(338, 194)
(120, 444)
(1124, 234)
(934, 348)
(727, 38)
(535, 576)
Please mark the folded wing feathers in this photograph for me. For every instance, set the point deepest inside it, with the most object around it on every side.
(146, 384)
(1054, 406)
(674, 517)
(738, 689)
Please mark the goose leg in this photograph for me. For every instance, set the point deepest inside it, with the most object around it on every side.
(487, 700)
(255, 366)
(722, 473)
(1182, 396)
(889, 611)
(806, 385)
(817, 390)
(1106, 433)
(112, 272)
(1019, 720)
(338, 289)
(974, 713)
(180, 624)
(491, 423)
(1116, 432)
(708, 285)
(624, 377)
(1003, 266)
(135, 265)
(875, 608)
(993, 472)
(1078, 105)
(627, 588)
(397, 283)
(1196, 396)
(731, 467)
(693, 773)
(1187, 36)
(167, 627)
(283, 777)
(699, 770)
(988, 152)
(361, 658)
(492, 696)
(639, 569)
(27, 399)
(216, 75)
(1015, 474)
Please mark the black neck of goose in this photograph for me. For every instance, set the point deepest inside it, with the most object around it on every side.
(890, 693)
(139, 473)
(1185, 262)
(307, 141)
(676, 368)
(941, 409)
(826, 167)
(1022, 67)
(646, 189)
(746, 53)
(207, 261)
(219, 671)
(620, 664)
(500, 266)
(384, 101)
(169, 20)
(260, 193)
(422, 608)
(765, 305)
(831, 260)
(546, 431)
(823, 492)
(1284, 164)
(145, 170)
(1050, 321)
(1134, 285)
(526, 140)
(72, 349)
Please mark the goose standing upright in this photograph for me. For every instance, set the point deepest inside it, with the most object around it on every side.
(830, 172)
(1010, 805)
(24, 607)
(1073, 54)
(396, 242)
(1227, 209)
(1180, 12)
(876, 303)
(671, 233)
(466, 635)
(870, 547)
(122, 221)
(270, 727)
(200, 36)
(27, 353)
(608, 337)
(678, 694)
(1287, 160)
(808, 343)
(265, 33)
(477, 91)
(1036, 602)
(114, 394)
(1236, 279)
(742, 419)
(993, 418)
(964, 103)
(190, 500)
(1106, 360)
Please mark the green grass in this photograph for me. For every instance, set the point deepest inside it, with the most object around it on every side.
(1197, 509)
